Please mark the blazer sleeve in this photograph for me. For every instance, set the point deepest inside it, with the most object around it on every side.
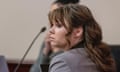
(58, 64)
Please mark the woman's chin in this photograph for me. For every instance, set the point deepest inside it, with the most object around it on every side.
(53, 44)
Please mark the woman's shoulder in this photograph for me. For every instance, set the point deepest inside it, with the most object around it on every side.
(71, 53)
(75, 59)
(73, 56)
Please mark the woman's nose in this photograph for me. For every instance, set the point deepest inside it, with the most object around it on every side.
(51, 29)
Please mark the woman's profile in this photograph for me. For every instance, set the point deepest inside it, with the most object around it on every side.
(75, 32)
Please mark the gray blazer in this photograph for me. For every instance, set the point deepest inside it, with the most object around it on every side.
(74, 60)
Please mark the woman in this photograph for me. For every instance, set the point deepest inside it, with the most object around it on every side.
(75, 32)
(55, 5)
(44, 54)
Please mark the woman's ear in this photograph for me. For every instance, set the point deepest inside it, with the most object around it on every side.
(78, 32)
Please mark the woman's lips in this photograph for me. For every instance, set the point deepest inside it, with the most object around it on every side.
(51, 38)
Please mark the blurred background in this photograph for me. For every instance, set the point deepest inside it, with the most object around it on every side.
(21, 20)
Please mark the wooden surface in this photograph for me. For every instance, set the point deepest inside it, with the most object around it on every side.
(25, 67)
(22, 68)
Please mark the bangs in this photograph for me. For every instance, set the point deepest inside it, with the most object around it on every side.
(59, 16)
(56, 16)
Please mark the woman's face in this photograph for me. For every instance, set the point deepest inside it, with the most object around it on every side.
(57, 35)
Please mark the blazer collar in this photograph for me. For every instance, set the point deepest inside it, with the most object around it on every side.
(78, 45)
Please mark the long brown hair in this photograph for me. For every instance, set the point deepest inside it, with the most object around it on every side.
(80, 15)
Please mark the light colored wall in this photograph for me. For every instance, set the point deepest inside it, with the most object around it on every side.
(21, 20)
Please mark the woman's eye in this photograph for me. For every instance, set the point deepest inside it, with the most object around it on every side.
(51, 25)
(59, 25)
